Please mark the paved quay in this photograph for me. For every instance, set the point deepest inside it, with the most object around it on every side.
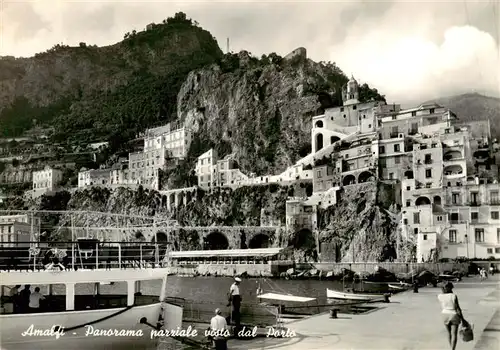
(410, 321)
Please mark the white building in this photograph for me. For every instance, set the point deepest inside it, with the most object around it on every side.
(175, 141)
(94, 177)
(213, 172)
(18, 228)
(46, 180)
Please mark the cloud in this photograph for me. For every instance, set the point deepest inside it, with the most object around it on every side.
(410, 51)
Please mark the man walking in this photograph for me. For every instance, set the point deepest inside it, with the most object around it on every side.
(235, 299)
(218, 325)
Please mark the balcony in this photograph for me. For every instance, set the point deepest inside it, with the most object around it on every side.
(394, 135)
(495, 202)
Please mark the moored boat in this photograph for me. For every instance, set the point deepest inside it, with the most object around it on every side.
(333, 294)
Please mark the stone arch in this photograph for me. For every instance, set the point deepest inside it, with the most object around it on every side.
(364, 176)
(455, 169)
(318, 124)
(451, 155)
(188, 196)
(215, 240)
(260, 240)
(161, 237)
(171, 199)
(303, 239)
(408, 174)
(334, 139)
(349, 180)
(319, 141)
(423, 200)
(437, 200)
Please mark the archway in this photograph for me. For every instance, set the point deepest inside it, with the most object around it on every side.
(259, 241)
(215, 241)
(364, 177)
(334, 139)
(422, 201)
(318, 124)
(161, 237)
(319, 142)
(452, 155)
(171, 200)
(181, 199)
(349, 180)
(453, 170)
(189, 239)
(437, 200)
(409, 174)
(303, 239)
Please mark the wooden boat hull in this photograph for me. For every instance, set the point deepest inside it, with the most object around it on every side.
(13, 326)
(402, 286)
(333, 294)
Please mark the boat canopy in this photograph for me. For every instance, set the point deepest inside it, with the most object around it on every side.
(284, 297)
(227, 253)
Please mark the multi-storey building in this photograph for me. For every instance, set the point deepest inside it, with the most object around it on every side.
(94, 177)
(175, 140)
(18, 228)
(46, 180)
(213, 172)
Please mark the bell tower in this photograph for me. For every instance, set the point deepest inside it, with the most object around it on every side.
(350, 92)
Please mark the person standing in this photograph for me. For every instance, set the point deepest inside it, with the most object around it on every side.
(14, 296)
(35, 298)
(218, 325)
(235, 300)
(24, 298)
(492, 269)
(452, 313)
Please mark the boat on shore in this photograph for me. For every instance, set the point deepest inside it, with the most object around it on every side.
(400, 287)
(333, 294)
(69, 320)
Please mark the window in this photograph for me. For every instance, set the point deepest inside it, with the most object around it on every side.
(381, 149)
(439, 218)
(354, 107)
(414, 113)
(428, 173)
(479, 235)
(382, 162)
(318, 174)
(397, 160)
(408, 188)
(494, 197)
(415, 230)
(341, 109)
(391, 176)
(405, 221)
(497, 250)
(489, 250)
(431, 111)
(452, 236)
(474, 216)
(428, 159)
(454, 217)
(455, 198)
(425, 237)
(416, 218)
(494, 215)
(396, 148)
(408, 203)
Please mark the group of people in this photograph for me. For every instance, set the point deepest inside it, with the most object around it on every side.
(24, 300)
(219, 323)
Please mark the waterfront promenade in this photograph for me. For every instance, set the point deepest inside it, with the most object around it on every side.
(410, 321)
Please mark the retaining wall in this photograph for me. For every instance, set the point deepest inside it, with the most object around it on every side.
(391, 267)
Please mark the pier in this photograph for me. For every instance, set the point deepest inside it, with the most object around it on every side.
(409, 321)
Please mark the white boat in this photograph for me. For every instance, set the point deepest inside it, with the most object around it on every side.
(401, 286)
(125, 320)
(333, 294)
(273, 302)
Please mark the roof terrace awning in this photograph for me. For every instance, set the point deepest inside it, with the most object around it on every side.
(227, 253)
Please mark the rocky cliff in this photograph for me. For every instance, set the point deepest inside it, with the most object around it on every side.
(260, 109)
(363, 225)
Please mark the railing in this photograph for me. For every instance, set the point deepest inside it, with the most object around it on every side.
(85, 254)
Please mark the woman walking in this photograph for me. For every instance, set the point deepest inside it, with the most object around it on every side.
(452, 313)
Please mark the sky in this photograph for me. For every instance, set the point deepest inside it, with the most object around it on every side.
(409, 50)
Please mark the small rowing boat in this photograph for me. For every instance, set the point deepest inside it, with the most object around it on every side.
(333, 294)
(401, 286)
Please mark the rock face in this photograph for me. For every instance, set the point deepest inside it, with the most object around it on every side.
(261, 113)
(362, 226)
